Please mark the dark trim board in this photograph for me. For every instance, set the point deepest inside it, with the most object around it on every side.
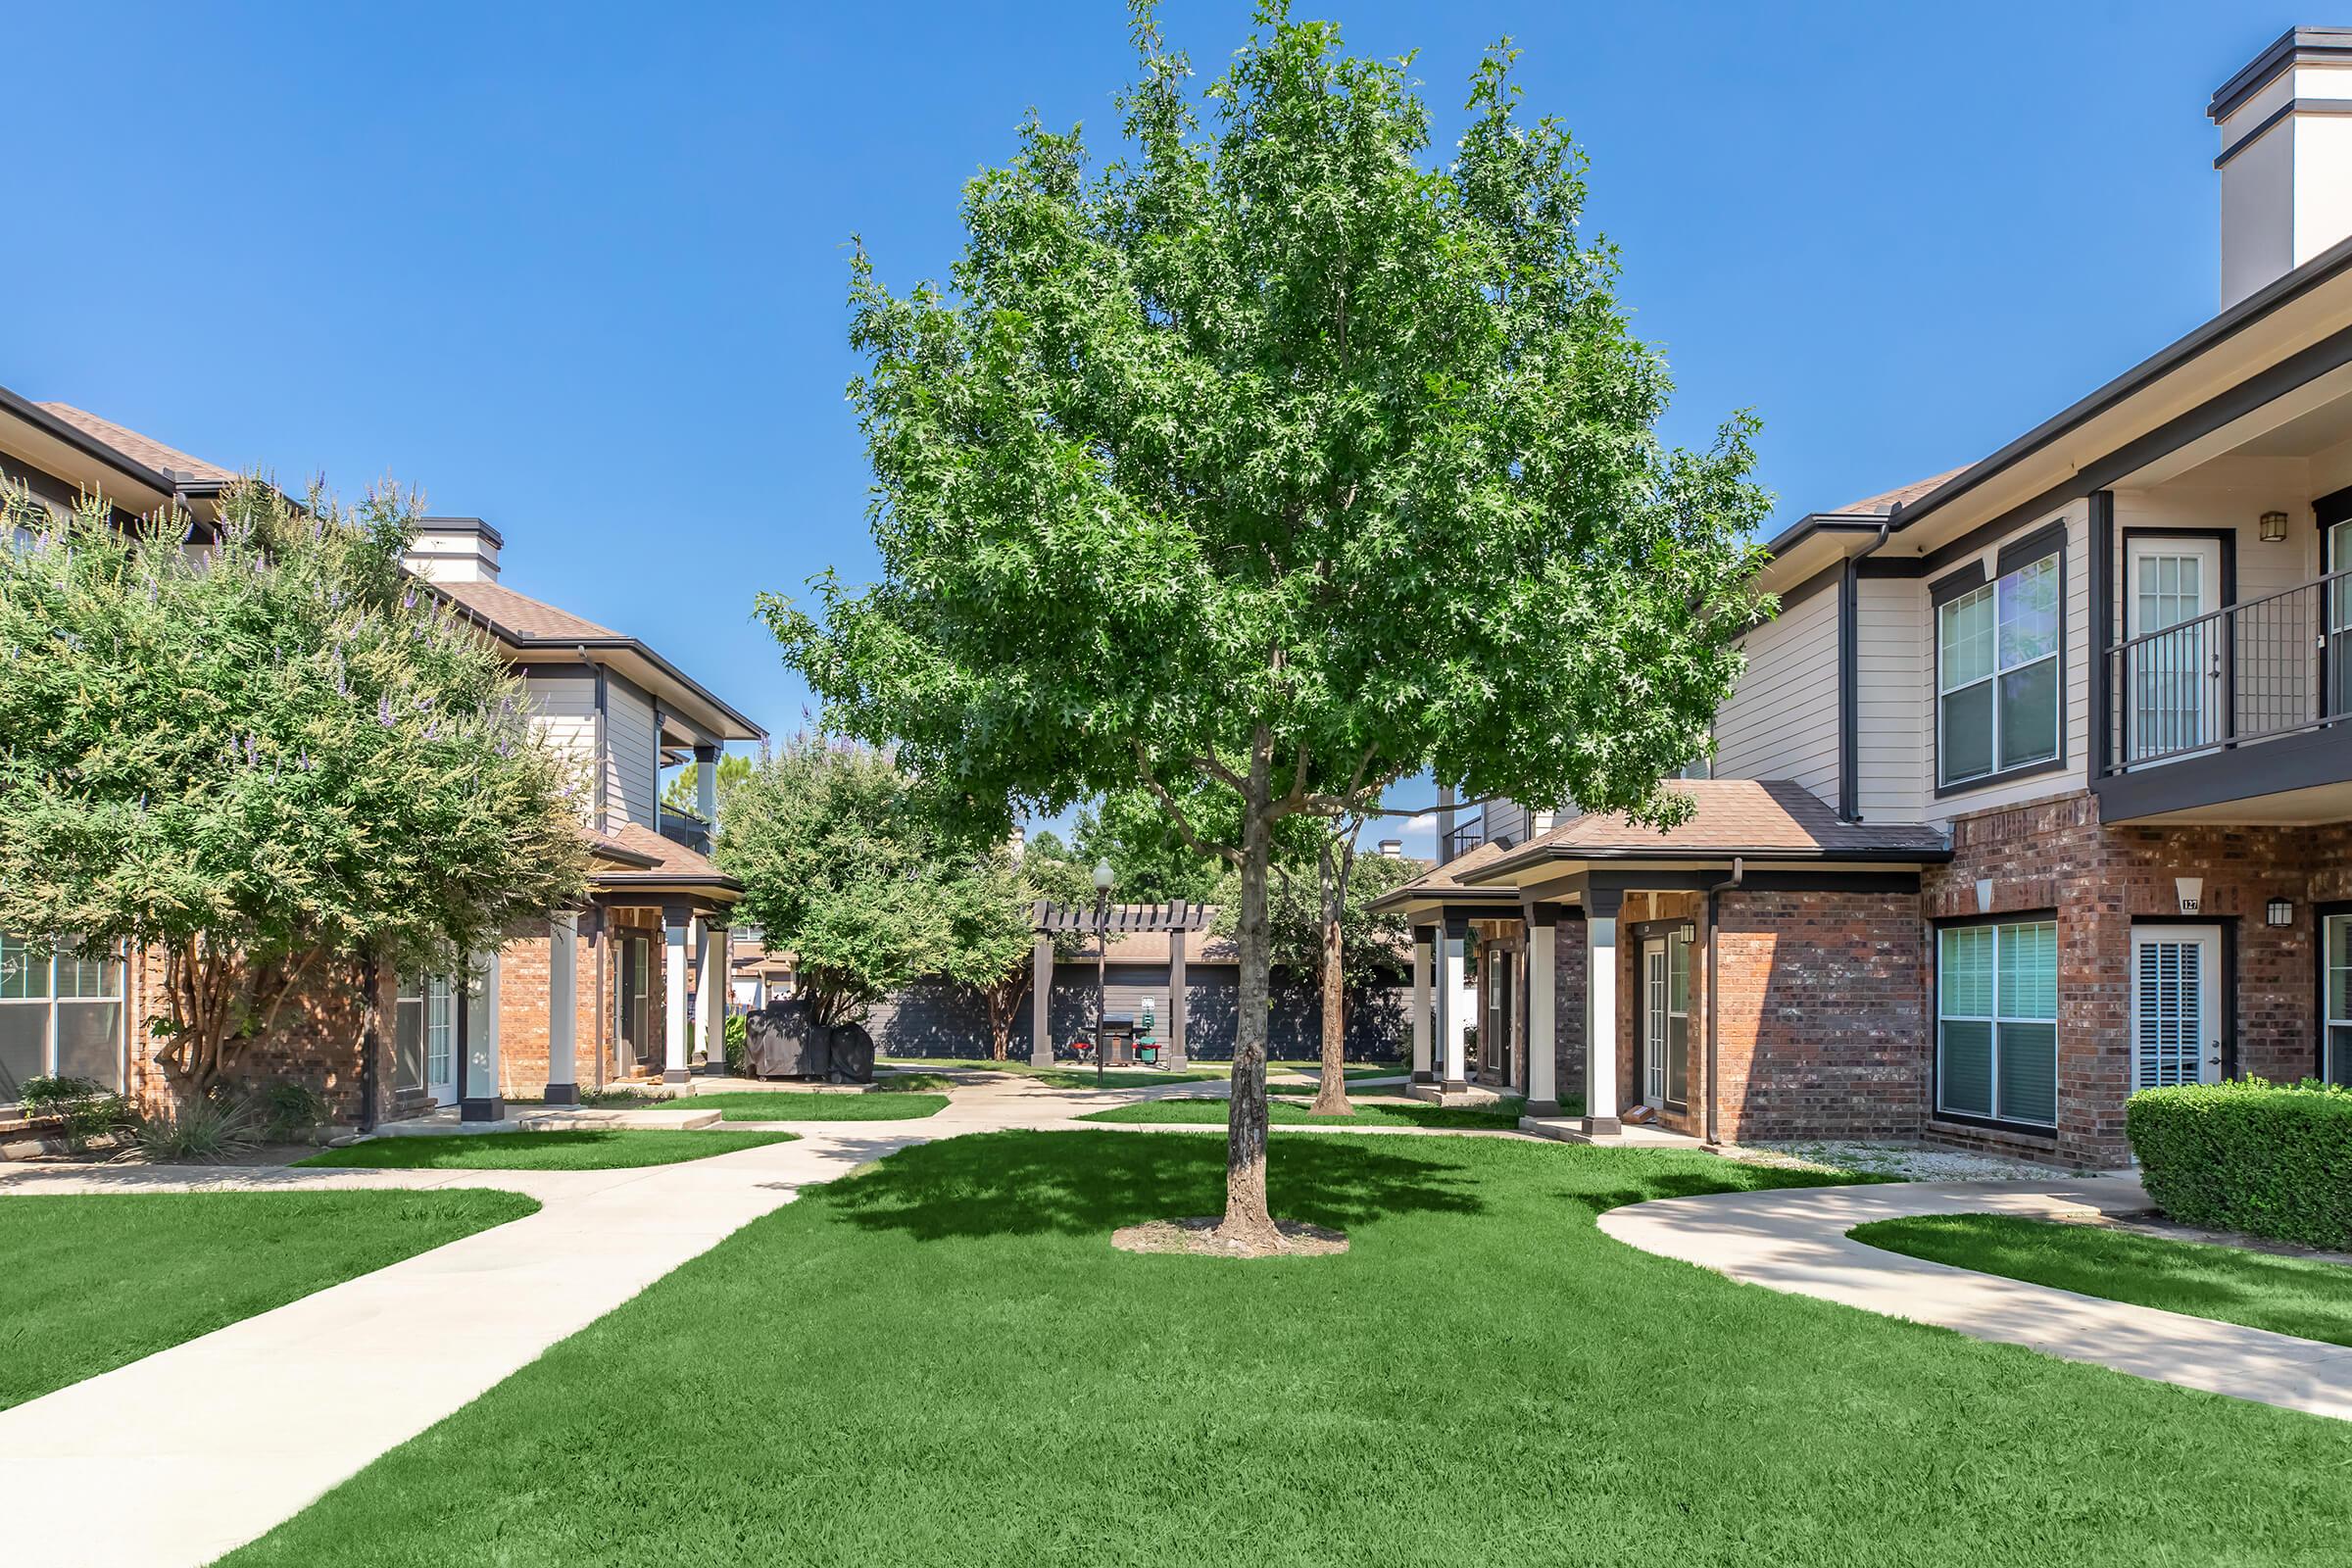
(2293, 106)
(1849, 719)
(1906, 567)
(2299, 761)
(2100, 754)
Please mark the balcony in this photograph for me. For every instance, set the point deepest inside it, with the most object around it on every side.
(2238, 714)
(1461, 840)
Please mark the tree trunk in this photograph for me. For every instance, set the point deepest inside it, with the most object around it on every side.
(1247, 1223)
(1331, 1094)
(372, 1042)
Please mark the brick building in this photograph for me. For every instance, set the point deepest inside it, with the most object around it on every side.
(2087, 703)
(593, 995)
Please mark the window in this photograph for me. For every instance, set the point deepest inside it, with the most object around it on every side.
(408, 1037)
(1997, 1022)
(61, 1014)
(1997, 674)
(2336, 1038)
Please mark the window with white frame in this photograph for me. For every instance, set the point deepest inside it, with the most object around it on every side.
(1997, 674)
(61, 1014)
(2335, 1037)
(1997, 1022)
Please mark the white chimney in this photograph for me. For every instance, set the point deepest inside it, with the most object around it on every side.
(1392, 848)
(2285, 158)
(455, 550)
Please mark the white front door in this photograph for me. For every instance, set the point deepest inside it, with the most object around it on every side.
(1654, 1015)
(2175, 1005)
(441, 1041)
(2176, 674)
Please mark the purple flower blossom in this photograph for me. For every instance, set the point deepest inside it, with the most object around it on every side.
(383, 711)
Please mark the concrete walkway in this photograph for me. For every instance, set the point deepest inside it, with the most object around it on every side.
(1795, 1242)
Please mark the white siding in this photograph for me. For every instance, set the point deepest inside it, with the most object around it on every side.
(1891, 761)
(631, 774)
(1781, 720)
(564, 710)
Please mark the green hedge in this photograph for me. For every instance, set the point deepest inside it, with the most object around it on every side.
(2249, 1155)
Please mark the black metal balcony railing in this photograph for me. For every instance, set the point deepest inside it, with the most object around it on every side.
(1462, 840)
(2249, 671)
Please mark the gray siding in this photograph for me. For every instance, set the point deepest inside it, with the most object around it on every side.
(631, 774)
(1782, 721)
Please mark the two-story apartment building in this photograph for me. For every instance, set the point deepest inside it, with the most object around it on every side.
(2035, 791)
(595, 993)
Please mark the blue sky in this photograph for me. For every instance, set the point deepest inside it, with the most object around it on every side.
(581, 270)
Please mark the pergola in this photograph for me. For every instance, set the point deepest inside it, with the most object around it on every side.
(1177, 919)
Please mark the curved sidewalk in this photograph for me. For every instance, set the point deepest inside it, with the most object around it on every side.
(1795, 1242)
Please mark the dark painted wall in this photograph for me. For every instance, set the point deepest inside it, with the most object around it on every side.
(931, 1018)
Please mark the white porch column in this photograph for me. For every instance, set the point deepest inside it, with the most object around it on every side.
(1600, 1017)
(480, 1098)
(710, 994)
(1462, 1006)
(1421, 999)
(1041, 1001)
(675, 925)
(563, 1008)
(1543, 970)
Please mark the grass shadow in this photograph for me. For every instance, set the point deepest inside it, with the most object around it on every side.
(1025, 1184)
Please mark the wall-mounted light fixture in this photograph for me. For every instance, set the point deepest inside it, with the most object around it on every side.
(2274, 527)
(1687, 932)
(2278, 911)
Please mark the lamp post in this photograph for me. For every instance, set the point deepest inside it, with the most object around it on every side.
(1103, 881)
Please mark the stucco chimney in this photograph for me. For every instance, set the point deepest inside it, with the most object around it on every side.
(1392, 848)
(2285, 157)
(455, 550)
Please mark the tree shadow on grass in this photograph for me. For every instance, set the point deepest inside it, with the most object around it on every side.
(1078, 1184)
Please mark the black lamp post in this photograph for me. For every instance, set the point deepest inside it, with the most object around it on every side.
(1103, 881)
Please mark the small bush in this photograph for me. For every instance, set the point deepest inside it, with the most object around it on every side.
(202, 1132)
(737, 1034)
(2249, 1155)
(87, 1110)
(48, 1096)
(289, 1112)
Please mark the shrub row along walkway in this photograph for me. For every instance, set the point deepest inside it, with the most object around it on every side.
(1796, 1242)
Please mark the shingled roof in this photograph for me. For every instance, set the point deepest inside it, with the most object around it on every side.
(140, 449)
(645, 856)
(1885, 501)
(518, 618)
(1774, 818)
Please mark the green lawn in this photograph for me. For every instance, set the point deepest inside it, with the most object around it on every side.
(1484, 1378)
(1289, 1113)
(93, 1283)
(569, 1148)
(2296, 1296)
(753, 1104)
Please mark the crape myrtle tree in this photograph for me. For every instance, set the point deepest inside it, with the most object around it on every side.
(273, 758)
(1273, 459)
(834, 858)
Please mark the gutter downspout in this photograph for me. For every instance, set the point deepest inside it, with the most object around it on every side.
(1714, 992)
(1849, 702)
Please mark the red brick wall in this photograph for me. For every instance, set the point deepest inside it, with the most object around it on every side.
(1822, 1030)
(522, 1001)
(2055, 855)
(316, 1041)
(1568, 1007)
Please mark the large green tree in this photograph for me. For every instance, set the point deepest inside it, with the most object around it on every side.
(836, 862)
(270, 755)
(1273, 459)
(684, 792)
(987, 939)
